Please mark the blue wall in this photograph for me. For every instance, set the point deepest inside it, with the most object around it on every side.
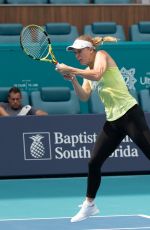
(18, 69)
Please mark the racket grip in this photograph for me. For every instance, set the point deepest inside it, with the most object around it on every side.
(57, 65)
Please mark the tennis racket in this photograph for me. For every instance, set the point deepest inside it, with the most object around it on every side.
(36, 43)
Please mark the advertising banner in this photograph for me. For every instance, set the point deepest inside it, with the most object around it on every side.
(61, 145)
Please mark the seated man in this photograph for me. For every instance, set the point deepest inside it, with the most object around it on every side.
(14, 106)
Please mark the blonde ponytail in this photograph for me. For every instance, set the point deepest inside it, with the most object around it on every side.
(100, 40)
(96, 41)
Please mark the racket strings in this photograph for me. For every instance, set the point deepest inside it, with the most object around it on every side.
(35, 42)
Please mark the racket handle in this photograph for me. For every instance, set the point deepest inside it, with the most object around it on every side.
(57, 65)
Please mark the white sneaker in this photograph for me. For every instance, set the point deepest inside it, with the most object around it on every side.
(24, 110)
(86, 211)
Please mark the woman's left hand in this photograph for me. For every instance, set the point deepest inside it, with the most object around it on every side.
(69, 77)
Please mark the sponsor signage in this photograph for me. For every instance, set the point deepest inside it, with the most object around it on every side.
(61, 145)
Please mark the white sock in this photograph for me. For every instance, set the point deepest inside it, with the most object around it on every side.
(89, 203)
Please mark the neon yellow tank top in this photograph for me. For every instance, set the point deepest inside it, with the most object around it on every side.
(114, 94)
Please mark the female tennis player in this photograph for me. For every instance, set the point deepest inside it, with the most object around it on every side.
(123, 114)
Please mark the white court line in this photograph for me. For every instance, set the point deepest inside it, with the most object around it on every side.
(121, 215)
(138, 228)
(145, 216)
(36, 218)
(57, 218)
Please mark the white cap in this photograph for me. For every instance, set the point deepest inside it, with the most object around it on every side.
(80, 44)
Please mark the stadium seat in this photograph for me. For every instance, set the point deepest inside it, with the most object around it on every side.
(10, 32)
(4, 95)
(27, 1)
(56, 100)
(105, 29)
(145, 99)
(140, 31)
(61, 32)
(113, 1)
(69, 1)
(95, 104)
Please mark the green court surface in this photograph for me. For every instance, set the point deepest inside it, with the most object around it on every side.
(49, 197)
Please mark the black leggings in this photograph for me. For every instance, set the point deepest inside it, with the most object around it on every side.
(134, 125)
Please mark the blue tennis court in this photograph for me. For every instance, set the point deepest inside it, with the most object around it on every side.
(138, 222)
(49, 203)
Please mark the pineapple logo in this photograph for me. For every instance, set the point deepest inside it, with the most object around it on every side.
(37, 146)
(129, 78)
